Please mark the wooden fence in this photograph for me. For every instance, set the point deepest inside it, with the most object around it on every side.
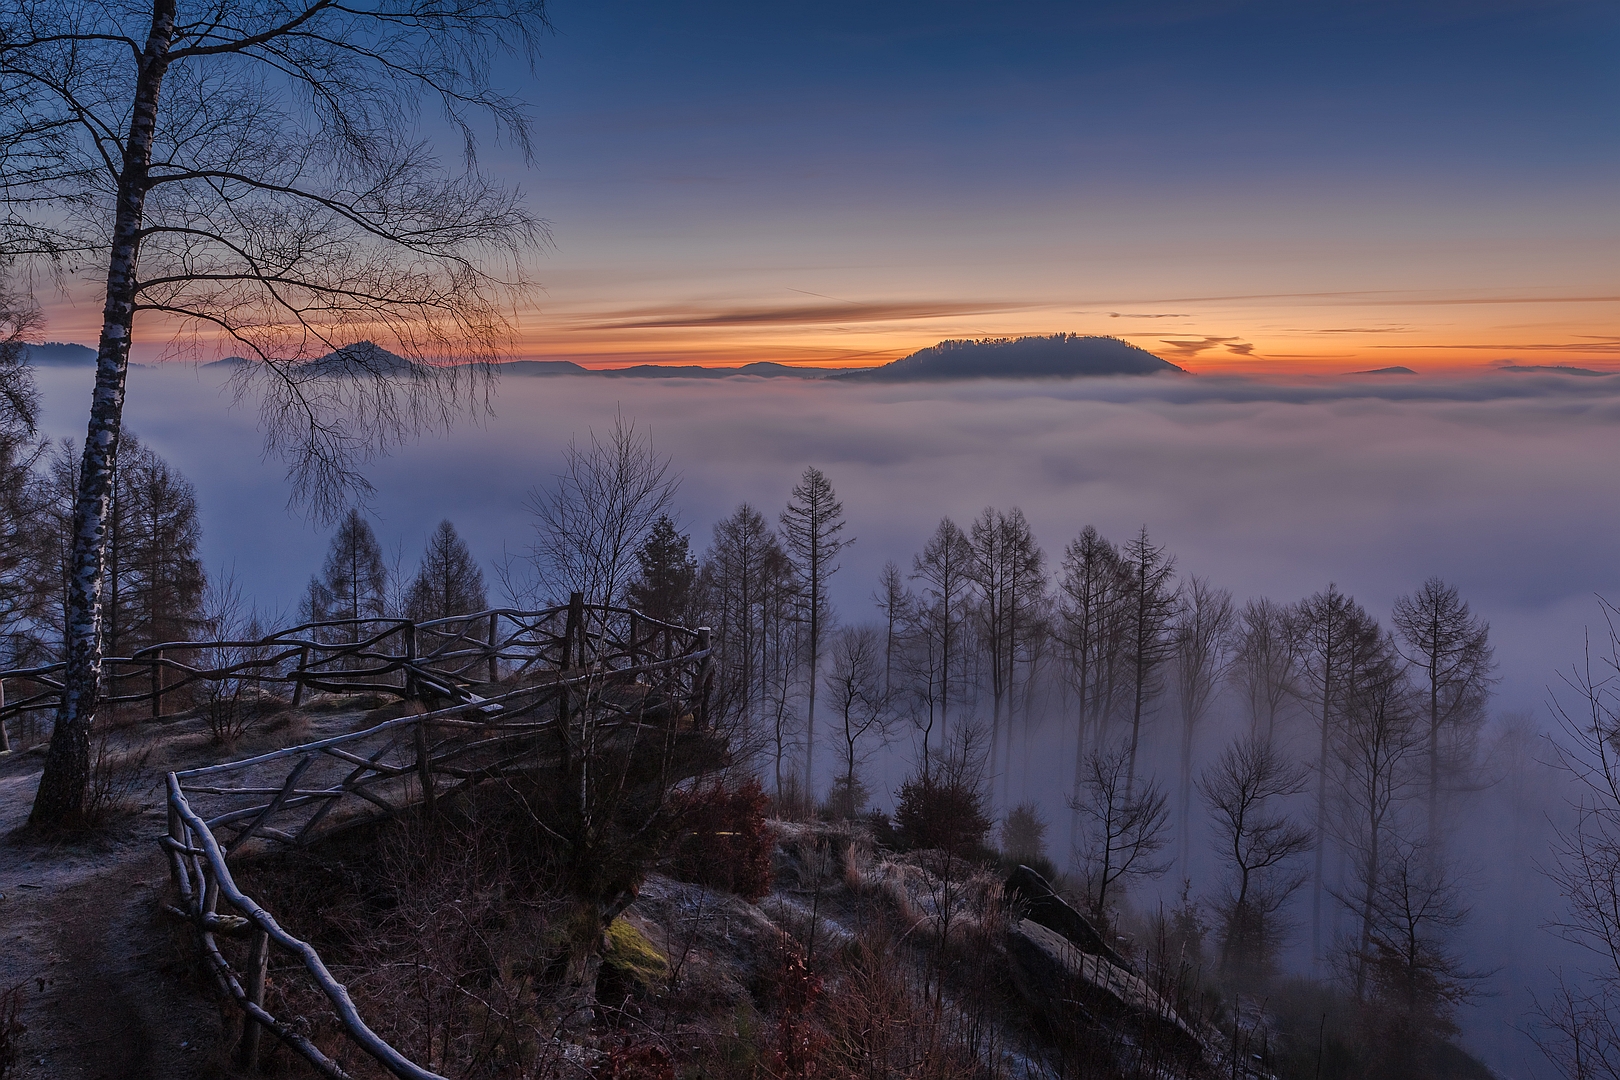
(449, 659)
(494, 685)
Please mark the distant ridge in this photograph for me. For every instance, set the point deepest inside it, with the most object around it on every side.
(1552, 369)
(1385, 371)
(764, 369)
(1057, 356)
(60, 354)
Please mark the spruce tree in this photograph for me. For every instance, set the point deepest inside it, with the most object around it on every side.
(666, 573)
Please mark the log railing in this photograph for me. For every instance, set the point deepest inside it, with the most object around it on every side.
(452, 659)
(626, 671)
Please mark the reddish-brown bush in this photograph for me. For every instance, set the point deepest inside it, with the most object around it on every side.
(942, 812)
(635, 1061)
(725, 843)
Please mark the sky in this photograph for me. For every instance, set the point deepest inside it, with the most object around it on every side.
(1255, 187)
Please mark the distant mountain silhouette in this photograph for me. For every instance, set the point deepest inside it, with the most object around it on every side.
(1058, 356)
(541, 367)
(60, 354)
(1551, 369)
(761, 369)
(360, 358)
(1385, 371)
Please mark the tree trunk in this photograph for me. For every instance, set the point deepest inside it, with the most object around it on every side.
(67, 764)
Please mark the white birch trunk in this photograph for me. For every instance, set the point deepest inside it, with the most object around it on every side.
(67, 765)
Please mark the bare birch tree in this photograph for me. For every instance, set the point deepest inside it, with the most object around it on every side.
(602, 507)
(1125, 827)
(1256, 840)
(244, 171)
(1580, 1022)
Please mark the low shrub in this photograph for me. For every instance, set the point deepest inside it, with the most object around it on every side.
(725, 842)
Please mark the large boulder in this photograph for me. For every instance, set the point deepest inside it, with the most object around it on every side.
(1035, 898)
(1067, 986)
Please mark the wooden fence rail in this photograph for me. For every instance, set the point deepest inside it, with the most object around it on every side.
(450, 658)
(533, 668)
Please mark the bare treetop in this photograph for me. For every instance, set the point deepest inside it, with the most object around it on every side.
(288, 204)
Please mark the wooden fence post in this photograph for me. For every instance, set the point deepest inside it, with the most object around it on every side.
(424, 767)
(705, 676)
(494, 651)
(157, 684)
(298, 684)
(408, 634)
(247, 1054)
(574, 627)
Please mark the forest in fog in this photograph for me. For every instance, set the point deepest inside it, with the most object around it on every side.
(1287, 793)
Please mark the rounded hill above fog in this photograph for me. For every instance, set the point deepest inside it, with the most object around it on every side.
(1058, 356)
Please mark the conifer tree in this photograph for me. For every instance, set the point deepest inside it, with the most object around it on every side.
(448, 582)
(666, 573)
(353, 582)
(811, 525)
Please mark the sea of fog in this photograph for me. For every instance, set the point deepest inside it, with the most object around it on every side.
(1505, 485)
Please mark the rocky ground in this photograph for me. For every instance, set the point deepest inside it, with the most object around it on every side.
(936, 956)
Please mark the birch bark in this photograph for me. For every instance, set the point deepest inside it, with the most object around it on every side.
(67, 764)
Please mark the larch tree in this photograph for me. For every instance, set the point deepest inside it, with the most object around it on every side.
(1090, 609)
(1150, 610)
(252, 174)
(1202, 639)
(352, 584)
(1327, 626)
(1450, 649)
(812, 527)
(750, 599)
(1265, 663)
(1377, 740)
(448, 581)
(1008, 573)
(152, 588)
(895, 601)
(26, 547)
(942, 567)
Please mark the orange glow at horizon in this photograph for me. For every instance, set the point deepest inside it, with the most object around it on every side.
(1277, 335)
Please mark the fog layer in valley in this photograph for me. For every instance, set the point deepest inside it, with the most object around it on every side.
(1502, 485)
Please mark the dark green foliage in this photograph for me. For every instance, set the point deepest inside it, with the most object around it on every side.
(943, 812)
(666, 573)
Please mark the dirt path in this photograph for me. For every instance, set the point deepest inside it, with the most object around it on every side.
(109, 992)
